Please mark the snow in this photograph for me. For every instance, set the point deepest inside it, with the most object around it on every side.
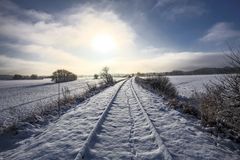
(182, 135)
(22, 98)
(22, 83)
(187, 85)
(15, 92)
(63, 138)
(126, 132)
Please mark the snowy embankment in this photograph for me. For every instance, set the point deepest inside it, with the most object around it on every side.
(138, 125)
(183, 136)
(188, 84)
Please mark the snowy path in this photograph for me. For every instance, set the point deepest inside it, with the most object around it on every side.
(123, 122)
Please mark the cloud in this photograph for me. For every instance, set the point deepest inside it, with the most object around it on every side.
(168, 61)
(72, 28)
(172, 9)
(221, 32)
(14, 65)
(62, 39)
(11, 9)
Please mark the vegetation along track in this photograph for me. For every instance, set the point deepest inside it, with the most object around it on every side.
(124, 131)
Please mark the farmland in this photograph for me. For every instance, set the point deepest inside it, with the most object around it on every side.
(188, 84)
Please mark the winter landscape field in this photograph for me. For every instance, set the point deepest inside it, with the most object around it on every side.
(119, 80)
(124, 121)
(187, 85)
(25, 97)
(18, 92)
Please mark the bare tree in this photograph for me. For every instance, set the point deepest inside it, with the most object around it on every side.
(106, 76)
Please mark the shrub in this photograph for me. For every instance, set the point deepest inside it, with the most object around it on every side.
(34, 76)
(95, 76)
(107, 78)
(160, 84)
(66, 94)
(62, 75)
(17, 77)
(220, 104)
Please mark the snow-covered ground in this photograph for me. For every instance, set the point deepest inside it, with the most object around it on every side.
(137, 125)
(63, 138)
(186, 85)
(14, 92)
(20, 98)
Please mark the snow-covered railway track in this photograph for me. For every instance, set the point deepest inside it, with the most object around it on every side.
(161, 147)
(84, 148)
(124, 131)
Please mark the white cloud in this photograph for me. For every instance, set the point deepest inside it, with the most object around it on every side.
(69, 29)
(173, 9)
(10, 65)
(65, 40)
(168, 61)
(221, 32)
(9, 8)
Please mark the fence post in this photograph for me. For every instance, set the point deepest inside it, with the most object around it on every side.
(59, 109)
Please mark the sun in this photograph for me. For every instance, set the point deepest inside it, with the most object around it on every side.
(103, 43)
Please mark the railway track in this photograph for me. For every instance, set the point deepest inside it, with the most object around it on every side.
(124, 131)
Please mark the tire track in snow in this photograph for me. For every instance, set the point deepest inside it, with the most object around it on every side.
(124, 131)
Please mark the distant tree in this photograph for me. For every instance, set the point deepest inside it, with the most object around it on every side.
(34, 76)
(95, 76)
(108, 79)
(62, 75)
(17, 76)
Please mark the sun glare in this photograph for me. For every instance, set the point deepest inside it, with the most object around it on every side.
(103, 43)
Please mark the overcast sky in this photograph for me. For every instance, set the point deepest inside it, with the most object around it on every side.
(126, 35)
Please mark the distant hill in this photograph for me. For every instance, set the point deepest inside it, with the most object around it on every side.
(225, 70)
(200, 71)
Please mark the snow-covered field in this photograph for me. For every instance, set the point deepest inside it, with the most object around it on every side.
(18, 98)
(188, 84)
(136, 125)
(14, 93)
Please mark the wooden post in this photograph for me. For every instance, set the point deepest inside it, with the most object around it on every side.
(59, 109)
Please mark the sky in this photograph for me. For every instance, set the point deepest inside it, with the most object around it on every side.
(126, 35)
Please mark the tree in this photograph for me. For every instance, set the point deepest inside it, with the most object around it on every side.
(17, 76)
(108, 79)
(34, 76)
(62, 75)
(95, 76)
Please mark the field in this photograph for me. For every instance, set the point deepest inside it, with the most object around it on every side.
(20, 98)
(18, 92)
(188, 84)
